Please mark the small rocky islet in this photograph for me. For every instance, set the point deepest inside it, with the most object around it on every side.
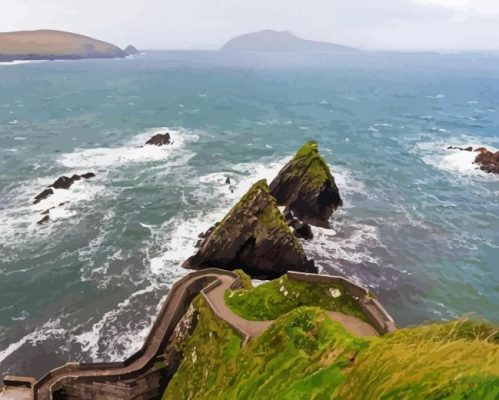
(486, 160)
(65, 182)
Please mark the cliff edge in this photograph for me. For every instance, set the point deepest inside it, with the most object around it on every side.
(253, 236)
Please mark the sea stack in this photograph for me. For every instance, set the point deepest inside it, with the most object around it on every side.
(253, 236)
(307, 188)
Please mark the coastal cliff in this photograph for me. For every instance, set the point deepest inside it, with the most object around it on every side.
(306, 187)
(54, 45)
(253, 236)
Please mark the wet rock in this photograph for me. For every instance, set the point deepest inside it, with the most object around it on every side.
(43, 195)
(88, 175)
(460, 148)
(63, 182)
(253, 236)
(303, 231)
(488, 161)
(307, 188)
(44, 220)
(159, 139)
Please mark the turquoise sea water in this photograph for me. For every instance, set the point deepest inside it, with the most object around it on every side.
(419, 226)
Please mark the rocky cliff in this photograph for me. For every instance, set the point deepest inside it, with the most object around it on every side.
(306, 187)
(54, 45)
(253, 236)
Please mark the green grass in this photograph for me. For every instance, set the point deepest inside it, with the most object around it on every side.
(271, 221)
(303, 355)
(306, 355)
(308, 160)
(272, 299)
(245, 279)
(456, 360)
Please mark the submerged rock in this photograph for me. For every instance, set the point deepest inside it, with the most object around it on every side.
(469, 148)
(307, 188)
(253, 236)
(159, 139)
(488, 161)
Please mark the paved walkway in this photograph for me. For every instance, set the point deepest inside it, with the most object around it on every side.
(166, 322)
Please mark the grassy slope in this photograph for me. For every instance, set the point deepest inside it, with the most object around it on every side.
(308, 161)
(304, 355)
(50, 42)
(439, 361)
(275, 298)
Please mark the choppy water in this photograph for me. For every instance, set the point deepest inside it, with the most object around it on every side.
(419, 224)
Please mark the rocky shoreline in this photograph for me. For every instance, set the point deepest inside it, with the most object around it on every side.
(486, 160)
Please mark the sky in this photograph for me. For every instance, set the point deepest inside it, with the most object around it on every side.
(207, 24)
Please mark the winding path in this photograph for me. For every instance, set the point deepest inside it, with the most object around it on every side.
(212, 284)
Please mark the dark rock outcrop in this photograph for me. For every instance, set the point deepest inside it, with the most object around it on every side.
(65, 183)
(253, 236)
(62, 182)
(488, 161)
(300, 229)
(43, 195)
(469, 148)
(307, 188)
(44, 220)
(159, 139)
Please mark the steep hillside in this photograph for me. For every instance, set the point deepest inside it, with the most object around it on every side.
(53, 45)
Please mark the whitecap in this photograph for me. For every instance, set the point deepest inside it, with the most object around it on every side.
(132, 151)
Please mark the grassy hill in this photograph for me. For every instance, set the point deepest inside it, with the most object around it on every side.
(306, 355)
(53, 45)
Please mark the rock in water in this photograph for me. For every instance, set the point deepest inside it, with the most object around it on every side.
(307, 188)
(159, 139)
(43, 195)
(488, 161)
(253, 236)
(44, 220)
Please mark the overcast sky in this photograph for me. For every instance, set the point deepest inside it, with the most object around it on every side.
(205, 24)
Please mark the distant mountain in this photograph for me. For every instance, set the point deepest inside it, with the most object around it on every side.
(131, 50)
(54, 45)
(272, 41)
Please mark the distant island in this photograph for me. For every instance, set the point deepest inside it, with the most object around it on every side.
(273, 41)
(131, 50)
(54, 45)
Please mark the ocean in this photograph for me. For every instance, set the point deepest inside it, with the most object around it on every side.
(419, 226)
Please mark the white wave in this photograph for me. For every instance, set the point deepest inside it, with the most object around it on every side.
(438, 96)
(453, 161)
(20, 62)
(20, 216)
(49, 330)
(132, 341)
(132, 151)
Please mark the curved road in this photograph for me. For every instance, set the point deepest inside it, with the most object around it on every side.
(212, 283)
